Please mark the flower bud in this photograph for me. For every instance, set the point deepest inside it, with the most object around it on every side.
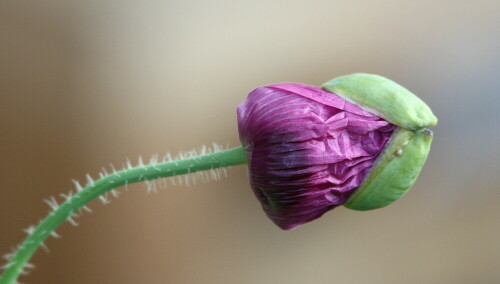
(357, 142)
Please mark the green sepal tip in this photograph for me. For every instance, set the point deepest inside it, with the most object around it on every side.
(384, 98)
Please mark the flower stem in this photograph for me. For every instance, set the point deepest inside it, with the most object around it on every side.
(235, 156)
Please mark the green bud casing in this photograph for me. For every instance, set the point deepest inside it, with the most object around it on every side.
(395, 170)
(385, 98)
(399, 165)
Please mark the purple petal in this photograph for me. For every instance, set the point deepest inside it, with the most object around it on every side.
(308, 149)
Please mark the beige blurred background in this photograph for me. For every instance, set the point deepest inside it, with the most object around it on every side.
(86, 83)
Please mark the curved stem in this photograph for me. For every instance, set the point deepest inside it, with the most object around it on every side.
(235, 156)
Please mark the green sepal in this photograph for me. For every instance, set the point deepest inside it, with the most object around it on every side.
(395, 170)
(384, 98)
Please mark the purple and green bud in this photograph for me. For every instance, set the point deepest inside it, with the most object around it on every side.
(357, 142)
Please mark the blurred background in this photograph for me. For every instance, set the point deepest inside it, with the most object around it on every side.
(86, 83)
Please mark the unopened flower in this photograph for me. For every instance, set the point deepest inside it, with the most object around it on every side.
(310, 149)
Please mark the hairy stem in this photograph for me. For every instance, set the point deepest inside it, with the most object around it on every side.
(235, 156)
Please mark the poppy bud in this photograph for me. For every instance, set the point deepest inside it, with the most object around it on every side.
(309, 149)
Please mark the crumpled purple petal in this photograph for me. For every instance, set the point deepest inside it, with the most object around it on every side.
(307, 149)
